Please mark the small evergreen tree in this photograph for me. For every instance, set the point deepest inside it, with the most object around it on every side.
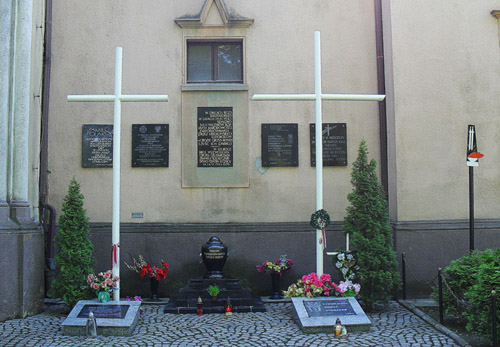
(368, 224)
(74, 258)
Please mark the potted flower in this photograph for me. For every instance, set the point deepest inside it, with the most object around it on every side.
(103, 283)
(276, 270)
(313, 285)
(154, 273)
(213, 291)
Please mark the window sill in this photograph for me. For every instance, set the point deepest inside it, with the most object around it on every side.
(193, 87)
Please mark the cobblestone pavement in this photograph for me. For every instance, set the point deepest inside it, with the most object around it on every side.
(394, 326)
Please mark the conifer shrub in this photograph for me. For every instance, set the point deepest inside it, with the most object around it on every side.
(74, 258)
(367, 222)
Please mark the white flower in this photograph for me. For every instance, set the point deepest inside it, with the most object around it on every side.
(338, 265)
(341, 256)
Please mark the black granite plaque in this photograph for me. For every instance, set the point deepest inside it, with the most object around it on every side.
(320, 308)
(280, 145)
(215, 136)
(104, 311)
(97, 145)
(334, 144)
(149, 145)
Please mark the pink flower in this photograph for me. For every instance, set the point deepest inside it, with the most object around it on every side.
(107, 274)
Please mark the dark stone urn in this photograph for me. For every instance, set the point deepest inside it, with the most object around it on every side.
(214, 255)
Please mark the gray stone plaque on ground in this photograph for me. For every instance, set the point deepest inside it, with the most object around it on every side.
(334, 144)
(149, 145)
(114, 318)
(97, 145)
(215, 136)
(280, 145)
(319, 314)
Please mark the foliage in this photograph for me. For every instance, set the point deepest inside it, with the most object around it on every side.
(461, 275)
(213, 290)
(279, 266)
(311, 286)
(367, 222)
(103, 282)
(142, 268)
(320, 219)
(472, 278)
(74, 258)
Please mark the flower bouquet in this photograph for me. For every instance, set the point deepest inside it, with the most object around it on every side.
(280, 266)
(143, 268)
(312, 286)
(154, 273)
(103, 283)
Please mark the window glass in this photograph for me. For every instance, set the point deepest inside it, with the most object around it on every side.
(229, 62)
(199, 62)
(214, 61)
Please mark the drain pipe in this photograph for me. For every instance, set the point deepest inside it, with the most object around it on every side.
(47, 212)
(382, 114)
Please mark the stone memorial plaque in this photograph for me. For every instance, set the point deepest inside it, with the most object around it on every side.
(319, 314)
(149, 145)
(334, 144)
(114, 318)
(104, 311)
(215, 137)
(280, 145)
(97, 146)
(328, 308)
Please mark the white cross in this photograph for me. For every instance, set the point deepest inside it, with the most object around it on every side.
(318, 96)
(117, 98)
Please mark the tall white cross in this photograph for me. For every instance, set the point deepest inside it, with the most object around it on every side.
(117, 98)
(318, 96)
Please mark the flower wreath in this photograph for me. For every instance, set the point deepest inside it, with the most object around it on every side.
(320, 220)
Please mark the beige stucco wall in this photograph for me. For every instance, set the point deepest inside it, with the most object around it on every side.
(278, 59)
(446, 76)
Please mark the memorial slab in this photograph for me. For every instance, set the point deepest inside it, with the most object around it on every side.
(334, 144)
(97, 146)
(280, 145)
(317, 315)
(114, 318)
(149, 145)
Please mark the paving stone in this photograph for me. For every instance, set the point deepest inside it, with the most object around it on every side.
(394, 326)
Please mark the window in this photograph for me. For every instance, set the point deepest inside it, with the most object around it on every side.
(214, 62)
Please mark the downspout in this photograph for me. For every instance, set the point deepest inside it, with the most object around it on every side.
(382, 114)
(47, 212)
(382, 110)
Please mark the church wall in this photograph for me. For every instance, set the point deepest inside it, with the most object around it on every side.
(84, 39)
(445, 62)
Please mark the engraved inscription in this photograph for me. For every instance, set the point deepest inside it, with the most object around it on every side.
(150, 145)
(334, 144)
(104, 311)
(215, 136)
(280, 145)
(318, 308)
(97, 145)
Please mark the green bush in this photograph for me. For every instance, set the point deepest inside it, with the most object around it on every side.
(479, 296)
(368, 223)
(74, 258)
(472, 278)
(460, 275)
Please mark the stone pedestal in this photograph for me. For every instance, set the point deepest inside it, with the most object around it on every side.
(241, 299)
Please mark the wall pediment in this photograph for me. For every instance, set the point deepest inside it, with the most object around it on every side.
(214, 13)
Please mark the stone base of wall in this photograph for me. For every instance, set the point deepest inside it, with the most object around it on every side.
(427, 245)
(22, 264)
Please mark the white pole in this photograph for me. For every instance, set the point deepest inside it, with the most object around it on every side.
(115, 239)
(319, 148)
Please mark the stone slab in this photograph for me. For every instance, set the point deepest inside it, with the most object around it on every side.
(75, 326)
(318, 315)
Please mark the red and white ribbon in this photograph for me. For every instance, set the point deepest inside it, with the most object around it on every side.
(114, 255)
